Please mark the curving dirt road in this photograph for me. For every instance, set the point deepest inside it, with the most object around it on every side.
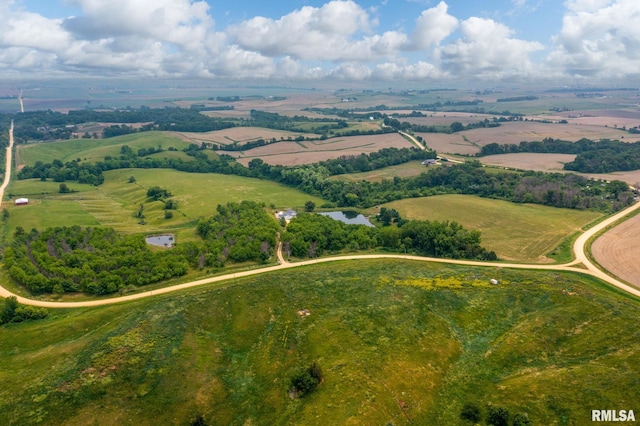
(578, 248)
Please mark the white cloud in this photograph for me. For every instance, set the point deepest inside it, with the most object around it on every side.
(407, 72)
(309, 33)
(340, 39)
(487, 50)
(599, 38)
(433, 26)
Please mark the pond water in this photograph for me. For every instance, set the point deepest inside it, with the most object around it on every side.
(349, 217)
(161, 240)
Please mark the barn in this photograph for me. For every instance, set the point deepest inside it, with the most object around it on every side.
(22, 201)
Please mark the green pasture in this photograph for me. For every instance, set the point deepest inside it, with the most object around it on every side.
(116, 202)
(399, 342)
(92, 150)
(410, 169)
(518, 232)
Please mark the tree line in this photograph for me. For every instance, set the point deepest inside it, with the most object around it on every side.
(604, 156)
(552, 189)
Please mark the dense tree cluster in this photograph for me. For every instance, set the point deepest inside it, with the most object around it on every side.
(310, 235)
(93, 260)
(604, 156)
(13, 311)
(517, 99)
(238, 232)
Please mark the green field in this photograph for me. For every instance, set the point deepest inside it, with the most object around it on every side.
(115, 202)
(410, 169)
(520, 232)
(92, 150)
(399, 343)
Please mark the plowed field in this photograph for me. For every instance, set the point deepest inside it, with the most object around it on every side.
(618, 251)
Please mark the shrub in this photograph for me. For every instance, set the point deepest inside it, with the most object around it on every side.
(307, 380)
(498, 416)
(470, 412)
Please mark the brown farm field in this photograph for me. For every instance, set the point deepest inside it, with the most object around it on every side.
(552, 163)
(306, 152)
(618, 250)
(239, 134)
(469, 142)
(529, 161)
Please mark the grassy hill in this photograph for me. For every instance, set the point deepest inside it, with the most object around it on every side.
(92, 150)
(115, 202)
(399, 342)
(522, 232)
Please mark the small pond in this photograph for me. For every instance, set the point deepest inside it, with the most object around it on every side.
(349, 217)
(161, 240)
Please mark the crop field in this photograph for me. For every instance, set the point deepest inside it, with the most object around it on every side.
(240, 134)
(306, 152)
(617, 250)
(529, 161)
(516, 232)
(398, 342)
(115, 202)
(469, 142)
(552, 163)
(92, 150)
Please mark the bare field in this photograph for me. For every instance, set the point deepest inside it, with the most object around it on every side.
(444, 143)
(618, 250)
(239, 134)
(297, 153)
(445, 118)
(552, 163)
(529, 161)
(470, 141)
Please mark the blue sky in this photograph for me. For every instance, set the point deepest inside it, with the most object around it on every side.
(586, 41)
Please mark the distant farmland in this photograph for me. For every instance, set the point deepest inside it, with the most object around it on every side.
(469, 142)
(240, 134)
(295, 153)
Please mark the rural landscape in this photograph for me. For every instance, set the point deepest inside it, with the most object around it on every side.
(195, 259)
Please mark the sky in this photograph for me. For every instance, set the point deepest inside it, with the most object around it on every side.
(578, 41)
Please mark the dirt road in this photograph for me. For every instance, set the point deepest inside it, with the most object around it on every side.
(7, 174)
(578, 248)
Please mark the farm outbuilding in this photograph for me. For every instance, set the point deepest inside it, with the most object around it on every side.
(22, 201)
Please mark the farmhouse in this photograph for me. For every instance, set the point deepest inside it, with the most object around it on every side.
(22, 201)
(429, 161)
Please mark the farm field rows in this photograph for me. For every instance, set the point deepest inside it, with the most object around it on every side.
(306, 152)
(470, 141)
(240, 134)
(553, 163)
(617, 250)
(516, 232)
(398, 341)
